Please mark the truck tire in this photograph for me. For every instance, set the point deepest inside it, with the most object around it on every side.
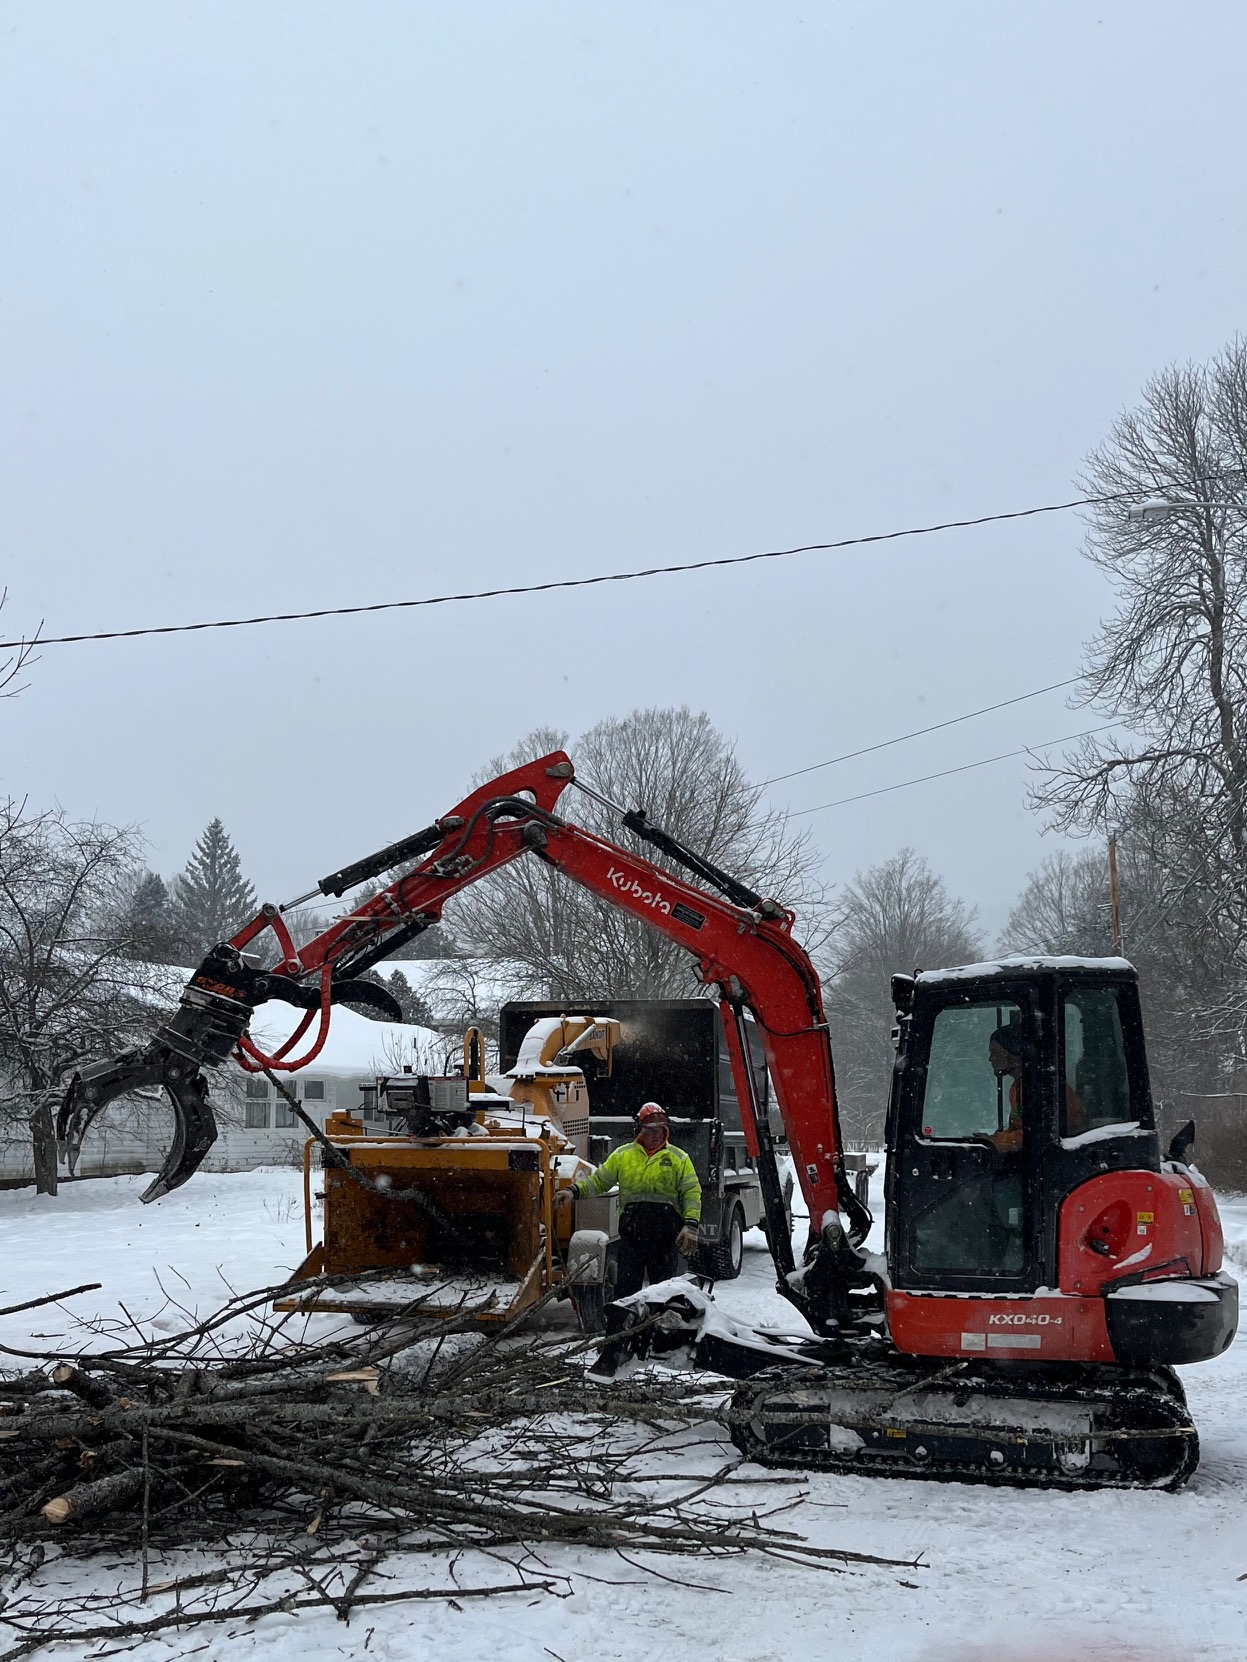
(724, 1259)
(590, 1302)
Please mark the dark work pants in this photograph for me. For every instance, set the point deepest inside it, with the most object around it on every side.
(647, 1236)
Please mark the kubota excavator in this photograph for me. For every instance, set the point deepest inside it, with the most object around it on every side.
(1045, 1267)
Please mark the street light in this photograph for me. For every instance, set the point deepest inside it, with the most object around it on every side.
(1159, 508)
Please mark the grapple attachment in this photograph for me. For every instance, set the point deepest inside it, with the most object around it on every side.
(210, 1019)
(212, 1016)
(194, 1126)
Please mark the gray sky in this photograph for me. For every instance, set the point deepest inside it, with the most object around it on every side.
(307, 305)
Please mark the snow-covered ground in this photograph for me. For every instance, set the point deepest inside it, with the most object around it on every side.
(1029, 1576)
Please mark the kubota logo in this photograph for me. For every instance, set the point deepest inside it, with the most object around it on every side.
(629, 885)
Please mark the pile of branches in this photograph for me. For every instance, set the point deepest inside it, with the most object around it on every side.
(418, 1439)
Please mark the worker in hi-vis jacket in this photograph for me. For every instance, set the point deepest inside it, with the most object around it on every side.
(659, 1211)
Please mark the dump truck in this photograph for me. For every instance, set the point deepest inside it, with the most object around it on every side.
(671, 1051)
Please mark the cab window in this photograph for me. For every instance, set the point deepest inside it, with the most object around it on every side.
(964, 1096)
(1097, 1075)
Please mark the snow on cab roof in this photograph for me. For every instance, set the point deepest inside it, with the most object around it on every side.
(1024, 962)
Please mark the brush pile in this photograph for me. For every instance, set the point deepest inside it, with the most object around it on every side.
(422, 1439)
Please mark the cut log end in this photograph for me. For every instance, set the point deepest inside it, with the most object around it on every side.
(85, 1498)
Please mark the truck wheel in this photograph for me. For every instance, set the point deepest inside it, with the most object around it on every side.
(724, 1260)
(590, 1302)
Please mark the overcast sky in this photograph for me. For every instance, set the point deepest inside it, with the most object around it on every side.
(307, 305)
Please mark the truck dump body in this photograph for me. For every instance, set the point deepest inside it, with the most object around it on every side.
(670, 1051)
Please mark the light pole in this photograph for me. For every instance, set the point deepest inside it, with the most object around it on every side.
(1114, 906)
(1158, 508)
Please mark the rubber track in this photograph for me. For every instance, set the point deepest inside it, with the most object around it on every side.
(1131, 1404)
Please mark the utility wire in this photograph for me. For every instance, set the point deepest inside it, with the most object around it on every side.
(574, 582)
(918, 733)
(944, 773)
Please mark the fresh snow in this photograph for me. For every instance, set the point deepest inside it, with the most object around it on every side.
(1104, 1134)
(1021, 963)
(1168, 1292)
(1007, 1575)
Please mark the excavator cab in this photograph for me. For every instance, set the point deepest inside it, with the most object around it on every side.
(1026, 1166)
(1015, 1084)
(1047, 1268)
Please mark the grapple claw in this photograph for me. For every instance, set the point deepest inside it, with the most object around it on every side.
(194, 1130)
(203, 1031)
(194, 1126)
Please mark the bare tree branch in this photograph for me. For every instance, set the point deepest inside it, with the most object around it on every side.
(686, 775)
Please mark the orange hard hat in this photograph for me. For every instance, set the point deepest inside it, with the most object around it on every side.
(651, 1113)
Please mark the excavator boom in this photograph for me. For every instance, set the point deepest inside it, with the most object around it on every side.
(742, 946)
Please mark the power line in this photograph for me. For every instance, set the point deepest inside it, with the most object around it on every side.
(918, 733)
(944, 773)
(572, 582)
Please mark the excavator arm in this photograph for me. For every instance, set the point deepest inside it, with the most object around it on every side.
(742, 946)
(210, 1023)
(749, 956)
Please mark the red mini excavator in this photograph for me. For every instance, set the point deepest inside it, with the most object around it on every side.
(1045, 1266)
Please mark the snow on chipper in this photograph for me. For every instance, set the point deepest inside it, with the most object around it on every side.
(1044, 1268)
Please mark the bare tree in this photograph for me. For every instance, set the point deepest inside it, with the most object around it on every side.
(69, 989)
(468, 992)
(686, 775)
(1170, 661)
(18, 658)
(1185, 960)
(1064, 908)
(895, 918)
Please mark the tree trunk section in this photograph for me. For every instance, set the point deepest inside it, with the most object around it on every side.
(85, 1498)
(43, 1147)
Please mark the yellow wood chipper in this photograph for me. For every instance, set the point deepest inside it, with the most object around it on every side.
(454, 1203)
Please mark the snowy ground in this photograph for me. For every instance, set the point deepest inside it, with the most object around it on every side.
(1006, 1576)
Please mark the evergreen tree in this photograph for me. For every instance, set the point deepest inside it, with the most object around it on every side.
(150, 922)
(414, 1008)
(212, 898)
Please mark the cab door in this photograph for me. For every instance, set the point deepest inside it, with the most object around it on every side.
(962, 1200)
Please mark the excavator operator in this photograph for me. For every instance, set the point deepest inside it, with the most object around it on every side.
(659, 1213)
(1008, 1055)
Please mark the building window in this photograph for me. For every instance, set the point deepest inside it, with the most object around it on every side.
(285, 1114)
(257, 1090)
(313, 1090)
(257, 1116)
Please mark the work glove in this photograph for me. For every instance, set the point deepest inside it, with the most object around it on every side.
(687, 1240)
(564, 1197)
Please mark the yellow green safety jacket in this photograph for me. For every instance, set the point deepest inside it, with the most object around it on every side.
(667, 1177)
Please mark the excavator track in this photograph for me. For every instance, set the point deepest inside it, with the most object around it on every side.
(1080, 1427)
